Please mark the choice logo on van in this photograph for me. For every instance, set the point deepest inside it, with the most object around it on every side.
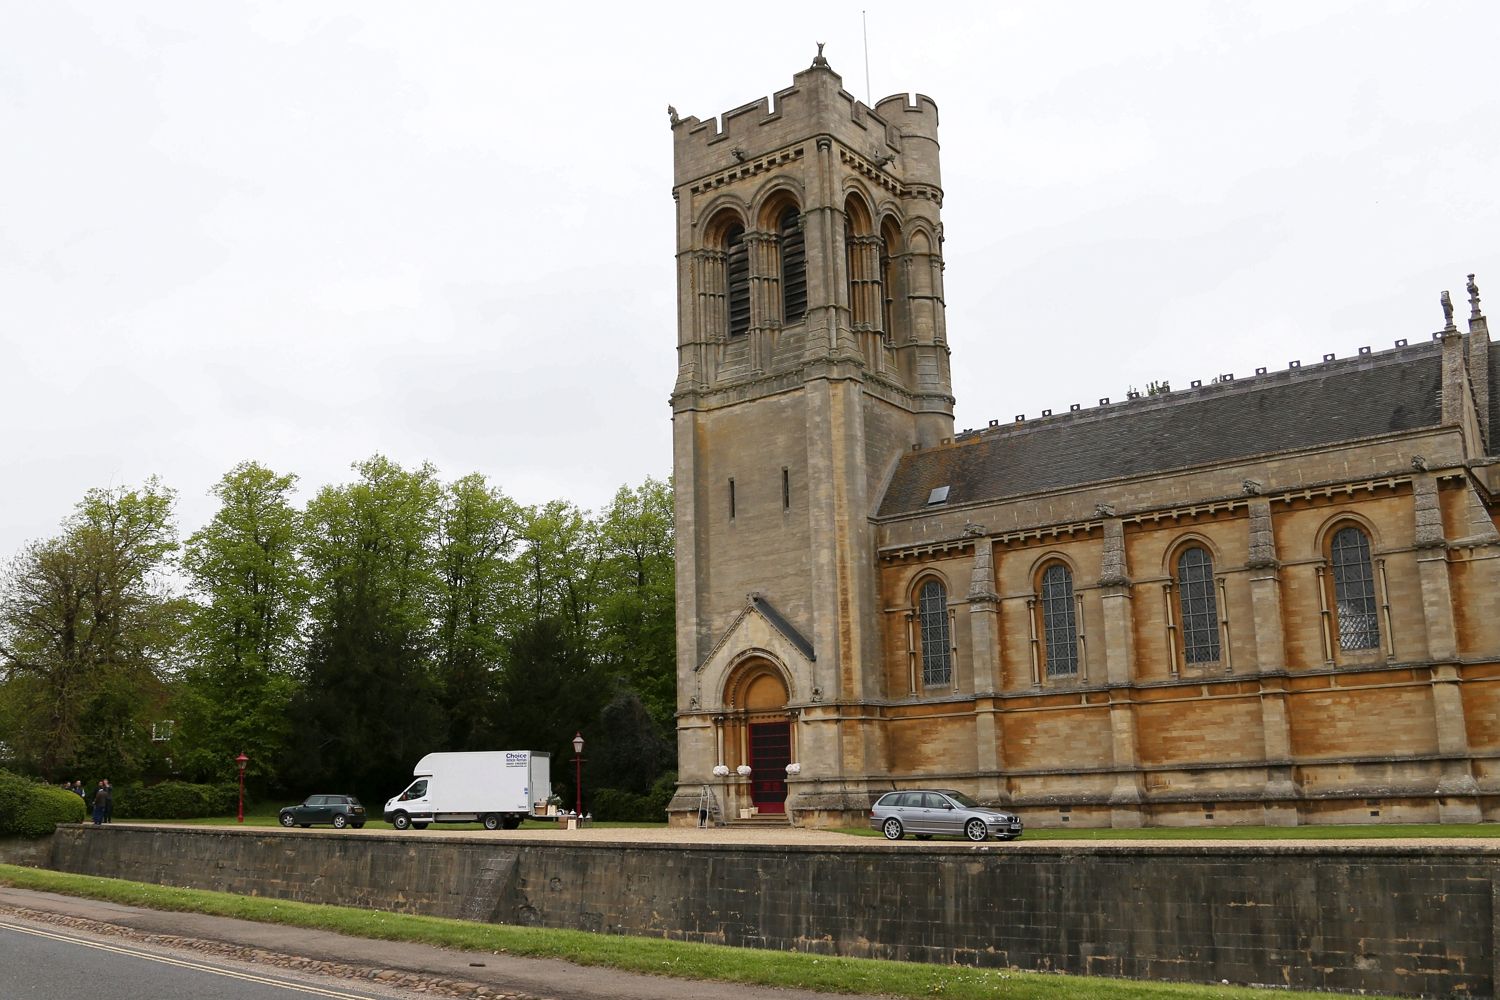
(517, 759)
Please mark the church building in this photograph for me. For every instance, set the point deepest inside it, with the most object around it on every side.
(1271, 599)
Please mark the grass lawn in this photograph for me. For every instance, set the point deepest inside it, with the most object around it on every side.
(633, 954)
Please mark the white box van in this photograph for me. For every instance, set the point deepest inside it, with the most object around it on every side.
(494, 787)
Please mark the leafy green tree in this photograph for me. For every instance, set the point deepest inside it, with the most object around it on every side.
(479, 528)
(563, 567)
(369, 707)
(638, 601)
(88, 628)
(244, 642)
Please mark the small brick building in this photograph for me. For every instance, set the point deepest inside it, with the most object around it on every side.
(1272, 599)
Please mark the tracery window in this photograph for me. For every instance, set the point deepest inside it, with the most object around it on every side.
(1354, 589)
(937, 661)
(737, 280)
(1200, 608)
(1059, 621)
(793, 267)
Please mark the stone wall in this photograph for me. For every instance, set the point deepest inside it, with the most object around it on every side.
(1380, 918)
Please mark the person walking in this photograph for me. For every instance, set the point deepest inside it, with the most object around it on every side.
(100, 795)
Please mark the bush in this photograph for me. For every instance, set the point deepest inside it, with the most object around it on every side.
(618, 806)
(175, 800)
(32, 809)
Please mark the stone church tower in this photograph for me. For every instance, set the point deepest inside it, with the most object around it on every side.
(811, 355)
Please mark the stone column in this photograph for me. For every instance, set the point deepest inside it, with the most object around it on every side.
(984, 650)
(1458, 792)
(765, 297)
(1119, 645)
(1432, 569)
(1270, 663)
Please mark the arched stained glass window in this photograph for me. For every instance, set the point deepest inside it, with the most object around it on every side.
(1354, 589)
(1059, 621)
(1200, 609)
(737, 280)
(937, 663)
(793, 267)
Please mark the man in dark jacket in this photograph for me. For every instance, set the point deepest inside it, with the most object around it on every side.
(109, 802)
(101, 795)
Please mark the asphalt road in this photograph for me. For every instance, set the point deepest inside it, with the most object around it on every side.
(427, 971)
(43, 962)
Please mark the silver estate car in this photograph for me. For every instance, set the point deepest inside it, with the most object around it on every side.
(940, 812)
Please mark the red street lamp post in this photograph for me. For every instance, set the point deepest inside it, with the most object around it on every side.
(578, 772)
(242, 760)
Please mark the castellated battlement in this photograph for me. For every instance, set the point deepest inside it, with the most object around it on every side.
(899, 135)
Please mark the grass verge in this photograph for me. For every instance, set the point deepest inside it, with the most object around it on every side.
(631, 954)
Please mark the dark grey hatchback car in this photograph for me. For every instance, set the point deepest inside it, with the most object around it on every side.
(941, 812)
(340, 810)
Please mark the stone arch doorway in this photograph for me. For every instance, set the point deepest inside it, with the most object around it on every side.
(757, 730)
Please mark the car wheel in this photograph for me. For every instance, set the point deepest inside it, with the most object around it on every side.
(892, 829)
(340, 821)
(287, 820)
(401, 821)
(975, 829)
(491, 821)
(419, 826)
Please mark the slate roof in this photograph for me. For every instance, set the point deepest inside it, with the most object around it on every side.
(778, 621)
(1336, 401)
(1494, 442)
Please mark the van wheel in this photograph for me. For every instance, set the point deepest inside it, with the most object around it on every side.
(892, 829)
(491, 821)
(512, 822)
(419, 826)
(401, 821)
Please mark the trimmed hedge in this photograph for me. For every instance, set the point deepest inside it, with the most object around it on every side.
(175, 800)
(32, 809)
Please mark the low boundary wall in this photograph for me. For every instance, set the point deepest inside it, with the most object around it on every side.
(1377, 917)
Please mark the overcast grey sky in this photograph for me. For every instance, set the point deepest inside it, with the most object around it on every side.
(304, 233)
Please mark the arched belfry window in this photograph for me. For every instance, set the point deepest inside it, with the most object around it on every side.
(937, 660)
(1059, 621)
(1354, 589)
(793, 266)
(737, 280)
(1200, 607)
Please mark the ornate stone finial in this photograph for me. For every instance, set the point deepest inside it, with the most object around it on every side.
(818, 60)
(672, 114)
(1447, 302)
(1104, 510)
(1419, 463)
(1473, 298)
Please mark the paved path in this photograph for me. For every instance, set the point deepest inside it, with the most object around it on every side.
(788, 836)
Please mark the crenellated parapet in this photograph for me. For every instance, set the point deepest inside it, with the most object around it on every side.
(898, 137)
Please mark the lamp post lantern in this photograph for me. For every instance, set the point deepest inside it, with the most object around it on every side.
(578, 773)
(242, 760)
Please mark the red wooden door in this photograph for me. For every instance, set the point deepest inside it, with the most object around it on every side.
(770, 753)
